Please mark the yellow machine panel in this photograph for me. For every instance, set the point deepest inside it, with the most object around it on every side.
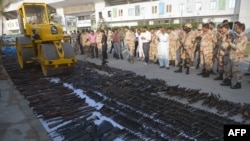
(42, 41)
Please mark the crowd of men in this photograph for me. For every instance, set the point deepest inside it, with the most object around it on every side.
(222, 47)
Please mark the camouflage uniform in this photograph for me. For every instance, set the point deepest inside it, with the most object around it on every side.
(85, 43)
(98, 41)
(188, 42)
(236, 55)
(153, 53)
(172, 48)
(129, 41)
(215, 49)
(197, 44)
(186, 48)
(206, 49)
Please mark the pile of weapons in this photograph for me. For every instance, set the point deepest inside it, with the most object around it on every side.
(133, 101)
(159, 88)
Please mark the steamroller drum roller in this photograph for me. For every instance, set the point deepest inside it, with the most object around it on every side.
(24, 51)
(48, 52)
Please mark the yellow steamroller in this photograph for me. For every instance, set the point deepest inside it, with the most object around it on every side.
(42, 41)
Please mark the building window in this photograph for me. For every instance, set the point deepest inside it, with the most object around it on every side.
(131, 12)
(80, 18)
(168, 8)
(212, 5)
(120, 13)
(231, 3)
(198, 6)
(154, 9)
(109, 14)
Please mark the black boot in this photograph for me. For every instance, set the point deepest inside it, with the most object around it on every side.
(226, 82)
(202, 72)
(187, 70)
(220, 77)
(206, 74)
(121, 56)
(236, 86)
(179, 70)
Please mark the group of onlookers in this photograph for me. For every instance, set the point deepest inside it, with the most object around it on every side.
(207, 47)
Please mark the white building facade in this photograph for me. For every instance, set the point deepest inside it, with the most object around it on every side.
(85, 14)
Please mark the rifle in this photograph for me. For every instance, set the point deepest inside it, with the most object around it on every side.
(72, 115)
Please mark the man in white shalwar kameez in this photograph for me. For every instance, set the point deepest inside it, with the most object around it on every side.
(163, 49)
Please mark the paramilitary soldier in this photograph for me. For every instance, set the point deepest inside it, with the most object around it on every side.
(236, 55)
(129, 41)
(187, 44)
(206, 50)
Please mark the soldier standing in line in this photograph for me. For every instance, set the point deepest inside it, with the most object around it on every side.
(224, 55)
(237, 50)
(172, 46)
(187, 45)
(85, 43)
(129, 41)
(197, 44)
(180, 34)
(206, 50)
(153, 55)
(99, 41)
(214, 32)
(217, 50)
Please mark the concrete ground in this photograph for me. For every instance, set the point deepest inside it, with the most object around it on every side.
(190, 81)
(17, 122)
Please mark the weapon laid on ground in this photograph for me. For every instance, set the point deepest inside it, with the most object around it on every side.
(72, 115)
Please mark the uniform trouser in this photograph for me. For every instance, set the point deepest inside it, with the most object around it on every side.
(228, 69)
(153, 55)
(145, 47)
(131, 51)
(172, 53)
(94, 50)
(99, 47)
(86, 50)
(185, 57)
(206, 60)
(117, 47)
(236, 73)
(104, 51)
(222, 62)
(198, 54)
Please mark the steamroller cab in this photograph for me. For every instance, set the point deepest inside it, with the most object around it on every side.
(42, 41)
